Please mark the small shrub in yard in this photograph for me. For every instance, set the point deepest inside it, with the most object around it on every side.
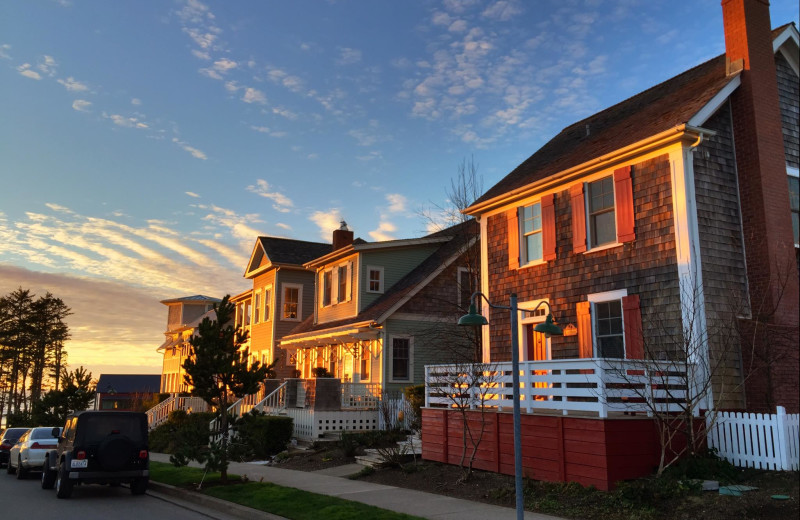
(364, 472)
(180, 430)
(394, 455)
(349, 444)
(707, 466)
(415, 395)
(264, 435)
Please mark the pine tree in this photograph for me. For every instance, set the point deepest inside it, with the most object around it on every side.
(217, 369)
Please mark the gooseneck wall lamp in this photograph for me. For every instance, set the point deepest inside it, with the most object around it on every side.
(474, 319)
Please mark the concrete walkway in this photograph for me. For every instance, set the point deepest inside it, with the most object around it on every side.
(418, 503)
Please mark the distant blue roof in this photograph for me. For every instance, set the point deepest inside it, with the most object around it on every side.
(195, 298)
(128, 384)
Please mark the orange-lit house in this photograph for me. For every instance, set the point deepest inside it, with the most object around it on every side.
(666, 219)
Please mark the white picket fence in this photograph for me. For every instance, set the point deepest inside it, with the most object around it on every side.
(762, 441)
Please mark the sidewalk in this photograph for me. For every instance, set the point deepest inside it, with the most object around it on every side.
(418, 503)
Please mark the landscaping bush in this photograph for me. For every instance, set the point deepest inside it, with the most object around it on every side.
(265, 435)
(181, 429)
(415, 395)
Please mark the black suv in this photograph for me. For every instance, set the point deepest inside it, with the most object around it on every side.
(99, 448)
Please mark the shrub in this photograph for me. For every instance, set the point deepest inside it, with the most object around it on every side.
(349, 444)
(180, 430)
(264, 434)
(321, 372)
(415, 395)
(704, 466)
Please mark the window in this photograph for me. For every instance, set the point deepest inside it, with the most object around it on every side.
(342, 277)
(256, 308)
(327, 282)
(531, 223)
(267, 303)
(467, 284)
(794, 203)
(365, 363)
(401, 359)
(608, 329)
(247, 313)
(332, 360)
(291, 303)
(602, 223)
(374, 279)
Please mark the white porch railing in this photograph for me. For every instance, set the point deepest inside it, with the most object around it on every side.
(159, 414)
(275, 402)
(572, 385)
(361, 395)
(762, 441)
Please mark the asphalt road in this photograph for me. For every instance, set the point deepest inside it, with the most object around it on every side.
(25, 499)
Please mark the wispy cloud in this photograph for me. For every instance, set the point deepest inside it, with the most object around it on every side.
(26, 70)
(397, 203)
(196, 153)
(192, 194)
(126, 121)
(136, 101)
(253, 95)
(4, 51)
(81, 105)
(73, 85)
(384, 232)
(261, 188)
(326, 221)
(348, 56)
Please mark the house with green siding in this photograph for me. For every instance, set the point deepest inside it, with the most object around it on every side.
(383, 310)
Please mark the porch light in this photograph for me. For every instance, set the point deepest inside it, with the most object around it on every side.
(473, 319)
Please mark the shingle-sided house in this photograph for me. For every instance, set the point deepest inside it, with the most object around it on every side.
(664, 220)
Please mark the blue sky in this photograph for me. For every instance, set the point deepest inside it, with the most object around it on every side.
(144, 145)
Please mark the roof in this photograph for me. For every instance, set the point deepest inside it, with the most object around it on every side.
(198, 298)
(460, 235)
(128, 383)
(657, 109)
(287, 251)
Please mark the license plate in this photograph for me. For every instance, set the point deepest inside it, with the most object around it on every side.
(79, 463)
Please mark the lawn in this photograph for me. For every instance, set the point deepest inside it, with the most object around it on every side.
(279, 500)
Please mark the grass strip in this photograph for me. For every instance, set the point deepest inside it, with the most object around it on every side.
(288, 502)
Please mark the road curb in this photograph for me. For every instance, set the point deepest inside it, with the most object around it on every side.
(216, 504)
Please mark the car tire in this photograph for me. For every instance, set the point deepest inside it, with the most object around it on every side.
(63, 483)
(48, 477)
(9, 468)
(139, 486)
(22, 473)
(114, 452)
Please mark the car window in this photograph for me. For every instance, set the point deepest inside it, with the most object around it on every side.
(98, 427)
(41, 433)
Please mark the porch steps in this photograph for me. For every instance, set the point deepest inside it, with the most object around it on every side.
(372, 457)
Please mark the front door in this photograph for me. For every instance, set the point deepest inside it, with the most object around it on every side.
(536, 343)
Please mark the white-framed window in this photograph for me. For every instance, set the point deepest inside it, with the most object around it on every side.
(530, 224)
(402, 356)
(246, 313)
(291, 302)
(467, 284)
(794, 201)
(343, 283)
(607, 324)
(374, 279)
(600, 212)
(267, 303)
(257, 307)
(366, 362)
(326, 285)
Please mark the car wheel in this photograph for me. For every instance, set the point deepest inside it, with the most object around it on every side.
(114, 452)
(21, 471)
(139, 486)
(48, 476)
(63, 484)
(9, 468)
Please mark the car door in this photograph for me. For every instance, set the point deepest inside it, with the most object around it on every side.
(13, 455)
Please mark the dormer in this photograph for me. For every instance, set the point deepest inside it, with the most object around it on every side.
(183, 311)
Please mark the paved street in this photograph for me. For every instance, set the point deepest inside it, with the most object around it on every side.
(26, 499)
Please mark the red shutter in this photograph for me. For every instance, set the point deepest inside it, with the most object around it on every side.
(584, 330)
(513, 238)
(632, 316)
(623, 191)
(548, 228)
(578, 219)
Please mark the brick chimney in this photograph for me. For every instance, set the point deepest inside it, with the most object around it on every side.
(766, 217)
(342, 237)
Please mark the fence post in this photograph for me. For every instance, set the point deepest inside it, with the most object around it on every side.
(781, 426)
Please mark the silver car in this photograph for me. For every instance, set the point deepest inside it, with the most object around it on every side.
(29, 451)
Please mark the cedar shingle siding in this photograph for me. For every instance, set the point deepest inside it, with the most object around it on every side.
(789, 93)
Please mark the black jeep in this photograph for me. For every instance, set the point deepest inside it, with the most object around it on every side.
(99, 447)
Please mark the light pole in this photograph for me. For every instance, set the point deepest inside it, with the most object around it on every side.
(474, 319)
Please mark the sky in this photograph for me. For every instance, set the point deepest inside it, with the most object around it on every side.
(144, 145)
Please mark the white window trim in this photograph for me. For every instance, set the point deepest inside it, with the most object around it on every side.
(523, 250)
(609, 245)
(606, 297)
(335, 281)
(793, 172)
(299, 288)
(390, 357)
(268, 303)
(322, 274)
(380, 270)
(361, 377)
(257, 309)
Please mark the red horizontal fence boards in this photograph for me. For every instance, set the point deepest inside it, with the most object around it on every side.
(590, 451)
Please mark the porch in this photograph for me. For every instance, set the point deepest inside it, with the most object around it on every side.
(583, 420)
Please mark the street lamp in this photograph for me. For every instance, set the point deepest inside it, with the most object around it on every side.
(474, 319)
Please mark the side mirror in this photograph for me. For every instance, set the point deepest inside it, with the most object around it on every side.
(55, 432)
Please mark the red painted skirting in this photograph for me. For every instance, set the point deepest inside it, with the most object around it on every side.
(596, 452)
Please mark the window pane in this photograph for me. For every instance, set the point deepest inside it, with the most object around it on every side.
(611, 347)
(400, 358)
(533, 245)
(794, 193)
(608, 329)
(603, 228)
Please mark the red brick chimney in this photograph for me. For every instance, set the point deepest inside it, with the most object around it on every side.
(763, 192)
(342, 237)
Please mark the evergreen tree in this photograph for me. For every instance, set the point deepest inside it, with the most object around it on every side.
(218, 371)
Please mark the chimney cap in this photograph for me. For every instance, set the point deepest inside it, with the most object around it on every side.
(343, 225)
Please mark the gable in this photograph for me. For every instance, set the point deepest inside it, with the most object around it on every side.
(258, 260)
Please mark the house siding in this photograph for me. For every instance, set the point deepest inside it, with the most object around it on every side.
(261, 339)
(306, 279)
(646, 267)
(789, 99)
(722, 254)
(396, 264)
(338, 311)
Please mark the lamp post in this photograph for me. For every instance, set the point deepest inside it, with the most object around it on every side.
(474, 319)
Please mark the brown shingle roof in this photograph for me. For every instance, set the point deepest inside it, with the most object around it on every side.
(648, 113)
(287, 251)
